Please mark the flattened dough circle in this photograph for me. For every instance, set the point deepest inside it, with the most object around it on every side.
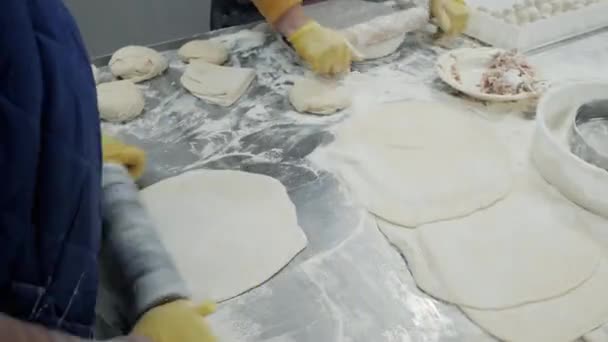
(228, 231)
(414, 162)
(523, 249)
(548, 246)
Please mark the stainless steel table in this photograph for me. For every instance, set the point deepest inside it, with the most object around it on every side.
(348, 284)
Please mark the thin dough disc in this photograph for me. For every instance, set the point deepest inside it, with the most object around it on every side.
(137, 63)
(208, 51)
(119, 101)
(529, 247)
(228, 231)
(216, 84)
(412, 163)
(318, 97)
(561, 319)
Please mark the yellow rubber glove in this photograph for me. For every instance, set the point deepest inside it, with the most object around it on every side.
(451, 16)
(131, 157)
(177, 321)
(272, 10)
(325, 50)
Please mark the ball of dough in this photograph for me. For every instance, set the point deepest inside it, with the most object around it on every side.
(119, 101)
(137, 63)
(523, 17)
(567, 5)
(533, 14)
(209, 51)
(556, 7)
(546, 9)
(318, 97)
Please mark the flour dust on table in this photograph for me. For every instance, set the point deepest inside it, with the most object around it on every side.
(228, 231)
(415, 162)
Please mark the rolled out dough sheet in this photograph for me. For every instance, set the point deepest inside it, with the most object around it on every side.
(415, 162)
(563, 317)
(531, 246)
(228, 231)
(216, 84)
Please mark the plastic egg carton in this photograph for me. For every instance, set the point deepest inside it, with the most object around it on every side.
(533, 24)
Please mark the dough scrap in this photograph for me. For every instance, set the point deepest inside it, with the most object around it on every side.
(414, 162)
(228, 231)
(503, 256)
(318, 97)
(137, 63)
(207, 50)
(216, 84)
(119, 101)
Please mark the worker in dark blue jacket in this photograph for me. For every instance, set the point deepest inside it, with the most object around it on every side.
(57, 196)
(50, 161)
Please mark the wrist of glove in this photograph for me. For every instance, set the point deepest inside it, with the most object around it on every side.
(179, 320)
(131, 157)
(451, 16)
(326, 50)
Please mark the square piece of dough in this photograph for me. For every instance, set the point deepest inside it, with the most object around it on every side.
(216, 84)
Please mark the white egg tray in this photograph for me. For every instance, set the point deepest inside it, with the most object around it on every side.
(533, 35)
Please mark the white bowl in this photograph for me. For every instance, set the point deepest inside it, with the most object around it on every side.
(581, 182)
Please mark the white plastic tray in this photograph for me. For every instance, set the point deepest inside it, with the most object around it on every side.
(562, 26)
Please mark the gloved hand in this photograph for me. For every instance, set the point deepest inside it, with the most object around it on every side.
(131, 157)
(177, 321)
(324, 49)
(451, 16)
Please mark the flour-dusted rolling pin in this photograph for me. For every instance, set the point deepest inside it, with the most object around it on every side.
(386, 27)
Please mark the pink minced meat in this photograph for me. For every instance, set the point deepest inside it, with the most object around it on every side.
(509, 73)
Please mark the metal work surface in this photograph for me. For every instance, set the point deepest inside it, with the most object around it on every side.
(349, 284)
